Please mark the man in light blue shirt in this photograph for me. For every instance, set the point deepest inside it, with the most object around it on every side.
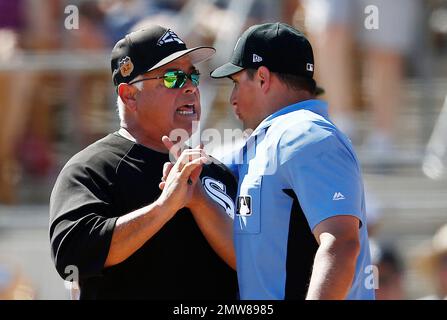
(300, 226)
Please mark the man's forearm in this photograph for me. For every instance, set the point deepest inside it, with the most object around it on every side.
(333, 271)
(134, 229)
(217, 227)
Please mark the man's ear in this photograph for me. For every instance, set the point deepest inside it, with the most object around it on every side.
(264, 77)
(127, 94)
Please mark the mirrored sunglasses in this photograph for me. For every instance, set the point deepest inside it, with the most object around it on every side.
(175, 79)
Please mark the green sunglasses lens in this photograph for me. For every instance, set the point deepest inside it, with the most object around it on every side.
(172, 80)
(195, 78)
(177, 79)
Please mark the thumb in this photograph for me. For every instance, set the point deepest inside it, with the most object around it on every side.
(167, 167)
(195, 174)
(174, 151)
(192, 166)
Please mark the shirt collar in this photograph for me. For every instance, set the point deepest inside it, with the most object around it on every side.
(314, 105)
(126, 134)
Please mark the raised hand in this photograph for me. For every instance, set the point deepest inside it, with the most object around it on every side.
(180, 179)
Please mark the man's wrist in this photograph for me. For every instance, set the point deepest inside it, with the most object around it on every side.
(165, 205)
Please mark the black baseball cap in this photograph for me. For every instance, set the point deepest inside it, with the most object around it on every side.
(277, 46)
(147, 49)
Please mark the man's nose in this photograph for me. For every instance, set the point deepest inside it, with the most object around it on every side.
(233, 100)
(189, 87)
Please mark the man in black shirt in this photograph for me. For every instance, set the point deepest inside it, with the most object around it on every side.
(109, 220)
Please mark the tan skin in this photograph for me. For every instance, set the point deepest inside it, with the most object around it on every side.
(338, 236)
(149, 115)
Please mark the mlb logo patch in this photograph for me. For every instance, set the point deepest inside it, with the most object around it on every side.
(244, 206)
(126, 66)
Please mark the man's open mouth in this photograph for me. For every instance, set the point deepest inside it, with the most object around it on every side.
(186, 109)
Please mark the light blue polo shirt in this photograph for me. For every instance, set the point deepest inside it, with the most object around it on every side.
(296, 170)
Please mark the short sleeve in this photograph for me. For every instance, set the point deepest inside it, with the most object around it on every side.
(81, 222)
(326, 178)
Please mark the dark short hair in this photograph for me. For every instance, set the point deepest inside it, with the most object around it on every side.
(294, 82)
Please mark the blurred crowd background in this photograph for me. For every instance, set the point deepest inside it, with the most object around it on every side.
(386, 88)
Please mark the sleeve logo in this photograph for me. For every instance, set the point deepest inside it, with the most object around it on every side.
(216, 190)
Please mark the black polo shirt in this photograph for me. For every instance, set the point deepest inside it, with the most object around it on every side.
(108, 179)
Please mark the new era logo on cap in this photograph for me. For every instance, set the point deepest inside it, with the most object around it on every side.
(256, 58)
(310, 67)
(169, 36)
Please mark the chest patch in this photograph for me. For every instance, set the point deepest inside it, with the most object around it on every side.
(244, 206)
